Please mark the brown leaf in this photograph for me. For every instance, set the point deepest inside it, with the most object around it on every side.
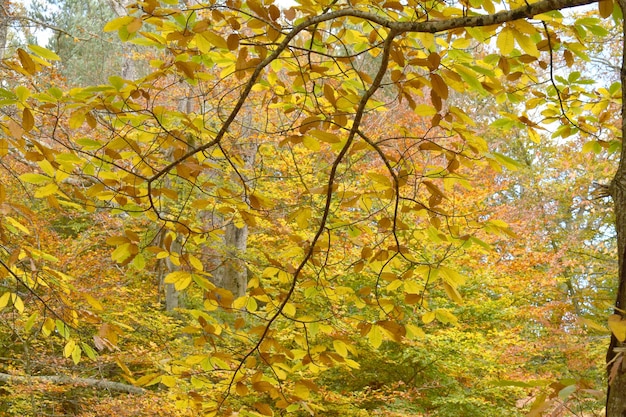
(28, 121)
(606, 8)
(439, 85)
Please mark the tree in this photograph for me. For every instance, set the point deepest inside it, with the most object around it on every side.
(88, 56)
(354, 221)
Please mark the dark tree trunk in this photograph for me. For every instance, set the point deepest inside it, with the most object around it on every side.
(616, 392)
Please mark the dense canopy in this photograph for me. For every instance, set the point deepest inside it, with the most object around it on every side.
(349, 208)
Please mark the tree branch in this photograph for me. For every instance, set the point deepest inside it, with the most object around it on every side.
(64, 379)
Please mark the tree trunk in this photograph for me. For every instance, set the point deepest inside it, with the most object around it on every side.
(163, 266)
(129, 69)
(616, 390)
(232, 273)
(4, 26)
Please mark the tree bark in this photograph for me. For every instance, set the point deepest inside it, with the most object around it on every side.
(129, 68)
(5, 19)
(616, 390)
(63, 379)
(163, 266)
(232, 273)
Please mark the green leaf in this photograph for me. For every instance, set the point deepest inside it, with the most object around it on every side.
(91, 354)
(62, 328)
(31, 321)
(567, 391)
(506, 161)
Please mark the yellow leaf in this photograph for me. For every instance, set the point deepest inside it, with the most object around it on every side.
(31, 321)
(311, 143)
(618, 326)
(135, 25)
(195, 263)
(27, 62)
(76, 353)
(62, 328)
(425, 110)
(17, 225)
(375, 336)
(526, 43)
(121, 253)
(324, 136)
(302, 391)
(533, 135)
(46, 167)
(4, 299)
(118, 23)
(18, 303)
(47, 327)
(451, 276)
(139, 262)
(215, 39)
(445, 316)
(28, 121)
(414, 332)
(289, 310)
(592, 324)
(69, 348)
(251, 305)
(95, 304)
(168, 380)
(162, 255)
(260, 202)
(76, 119)
(34, 178)
(505, 41)
(340, 348)
(452, 293)
(180, 279)
(44, 53)
(428, 317)
(47, 190)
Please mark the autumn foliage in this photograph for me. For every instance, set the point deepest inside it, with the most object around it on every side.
(334, 208)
